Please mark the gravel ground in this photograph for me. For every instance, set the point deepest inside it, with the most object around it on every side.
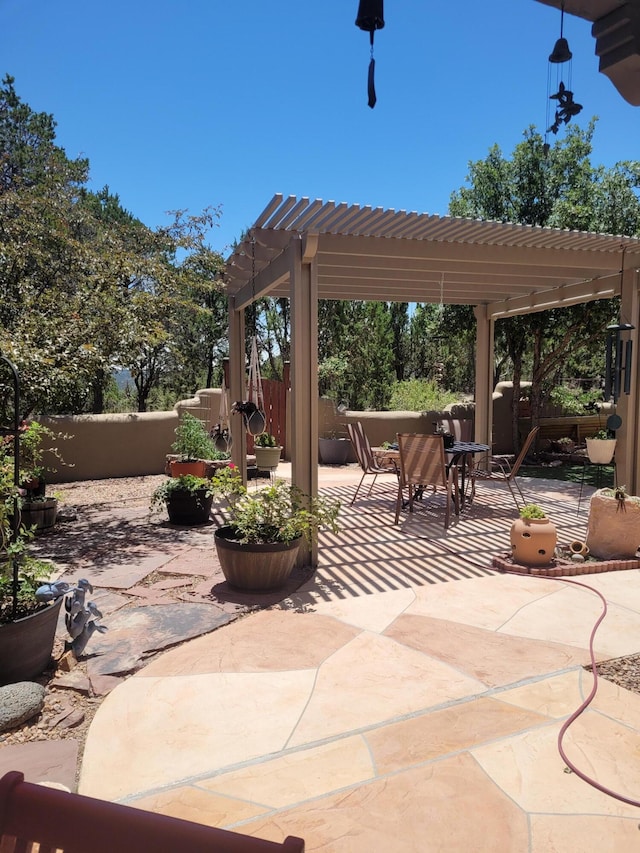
(68, 713)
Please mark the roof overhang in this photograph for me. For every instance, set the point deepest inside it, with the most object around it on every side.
(366, 253)
(616, 29)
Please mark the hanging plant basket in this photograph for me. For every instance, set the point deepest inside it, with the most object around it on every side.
(600, 450)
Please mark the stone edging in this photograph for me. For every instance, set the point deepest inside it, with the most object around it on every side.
(559, 567)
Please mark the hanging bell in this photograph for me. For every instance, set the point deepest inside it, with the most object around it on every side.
(560, 52)
(370, 18)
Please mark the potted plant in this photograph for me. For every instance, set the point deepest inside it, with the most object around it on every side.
(267, 452)
(613, 528)
(27, 624)
(193, 447)
(533, 537)
(187, 499)
(258, 546)
(601, 447)
(37, 511)
(334, 450)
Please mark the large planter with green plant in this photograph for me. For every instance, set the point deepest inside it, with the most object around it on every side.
(258, 547)
(26, 644)
(39, 514)
(613, 528)
(193, 446)
(533, 537)
(267, 452)
(186, 498)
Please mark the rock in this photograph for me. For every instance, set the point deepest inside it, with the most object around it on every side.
(74, 719)
(67, 662)
(20, 702)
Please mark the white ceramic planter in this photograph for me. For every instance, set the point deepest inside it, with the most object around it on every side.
(600, 450)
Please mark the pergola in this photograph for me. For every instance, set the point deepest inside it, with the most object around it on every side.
(309, 250)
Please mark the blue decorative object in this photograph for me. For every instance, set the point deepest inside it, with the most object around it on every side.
(78, 618)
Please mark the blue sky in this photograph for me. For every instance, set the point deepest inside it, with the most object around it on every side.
(181, 105)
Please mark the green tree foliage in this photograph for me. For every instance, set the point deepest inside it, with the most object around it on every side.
(86, 288)
(562, 189)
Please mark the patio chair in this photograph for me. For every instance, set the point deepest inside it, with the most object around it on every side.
(461, 430)
(57, 820)
(504, 470)
(423, 463)
(366, 457)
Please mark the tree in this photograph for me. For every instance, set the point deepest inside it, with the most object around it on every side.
(560, 189)
(86, 288)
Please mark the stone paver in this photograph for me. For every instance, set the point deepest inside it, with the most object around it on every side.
(405, 697)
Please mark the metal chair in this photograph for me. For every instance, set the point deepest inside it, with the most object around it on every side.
(366, 457)
(423, 463)
(501, 469)
(461, 430)
(33, 815)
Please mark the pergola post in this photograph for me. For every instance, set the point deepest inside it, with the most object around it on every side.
(237, 370)
(484, 375)
(627, 457)
(304, 373)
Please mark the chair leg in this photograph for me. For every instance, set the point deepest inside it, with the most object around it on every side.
(358, 489)
(373, 482)
(398, 503)
(513, 494)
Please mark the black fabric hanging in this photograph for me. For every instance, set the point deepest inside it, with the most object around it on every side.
(371, 18)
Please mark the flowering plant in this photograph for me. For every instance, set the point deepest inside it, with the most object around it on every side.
(280, 512)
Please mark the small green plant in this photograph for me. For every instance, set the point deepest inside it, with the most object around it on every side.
(277, 513)
(601, 435)
(532, 511)
(265, 439)
(199, 486)
(193, 441)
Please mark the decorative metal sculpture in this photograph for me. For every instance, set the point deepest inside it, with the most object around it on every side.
(371, 18)
(566, 108)
(78, 618)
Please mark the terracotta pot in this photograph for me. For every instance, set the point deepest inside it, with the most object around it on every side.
(533, 541)
(197, 467)
(254, 567)
(26, 644)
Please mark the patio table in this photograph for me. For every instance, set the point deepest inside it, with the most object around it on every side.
(457, 453)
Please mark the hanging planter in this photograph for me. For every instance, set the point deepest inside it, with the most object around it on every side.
(601, 450)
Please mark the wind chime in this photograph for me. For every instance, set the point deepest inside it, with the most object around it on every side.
(565, 107)
(618, 357)
(370, 18)
(252, 409)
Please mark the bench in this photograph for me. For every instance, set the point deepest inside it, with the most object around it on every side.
(73, 823)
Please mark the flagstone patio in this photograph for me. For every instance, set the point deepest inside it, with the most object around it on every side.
(407, 697)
